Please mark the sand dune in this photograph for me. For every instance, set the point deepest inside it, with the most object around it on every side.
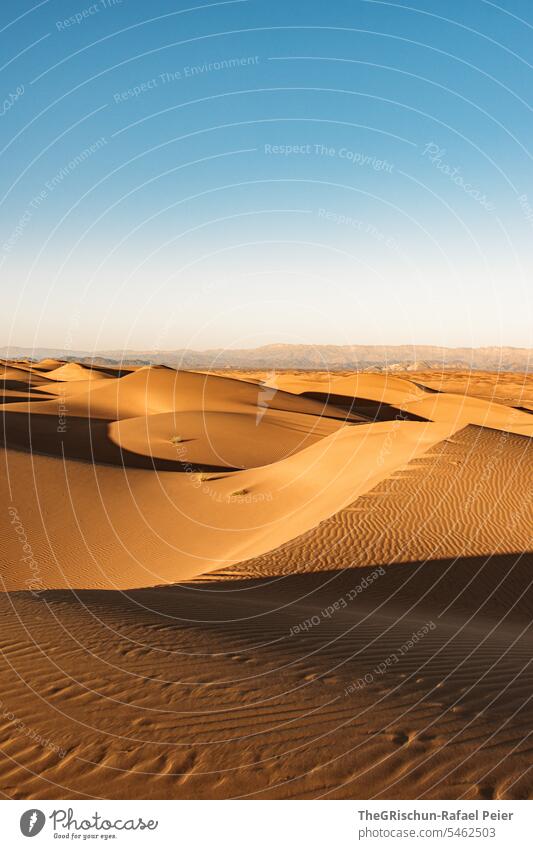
(244, 559)
(374, 387)
(405, 397)
(461, 410)
(24, 376)
(514, 390)
(48, 364)
(468, 496)
(236, 440)
(149, 391)
(73, 371)
(123, 526)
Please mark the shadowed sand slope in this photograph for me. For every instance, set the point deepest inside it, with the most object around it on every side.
(312, 586)
(220, 693)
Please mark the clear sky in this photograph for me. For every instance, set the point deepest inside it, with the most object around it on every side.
(239, 173)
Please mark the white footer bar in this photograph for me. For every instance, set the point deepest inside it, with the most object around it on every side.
(267, 824)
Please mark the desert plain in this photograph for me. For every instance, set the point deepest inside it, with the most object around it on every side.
(290, 585)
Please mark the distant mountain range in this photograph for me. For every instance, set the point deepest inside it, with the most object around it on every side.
(315, 357)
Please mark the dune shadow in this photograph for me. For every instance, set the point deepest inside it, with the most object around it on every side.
(428, 389)
(21, 386)
(373, 411)
(495, 589)
(17, 399)
(118, 371)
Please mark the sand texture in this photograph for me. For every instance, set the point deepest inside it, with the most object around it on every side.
(265, 585)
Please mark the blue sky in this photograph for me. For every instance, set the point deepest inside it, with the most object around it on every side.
(240, 173)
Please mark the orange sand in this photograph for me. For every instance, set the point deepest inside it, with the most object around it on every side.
(211, 584)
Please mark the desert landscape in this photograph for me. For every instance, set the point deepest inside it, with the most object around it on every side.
(277, 584)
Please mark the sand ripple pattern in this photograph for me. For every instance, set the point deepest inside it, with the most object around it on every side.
(470, 495)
